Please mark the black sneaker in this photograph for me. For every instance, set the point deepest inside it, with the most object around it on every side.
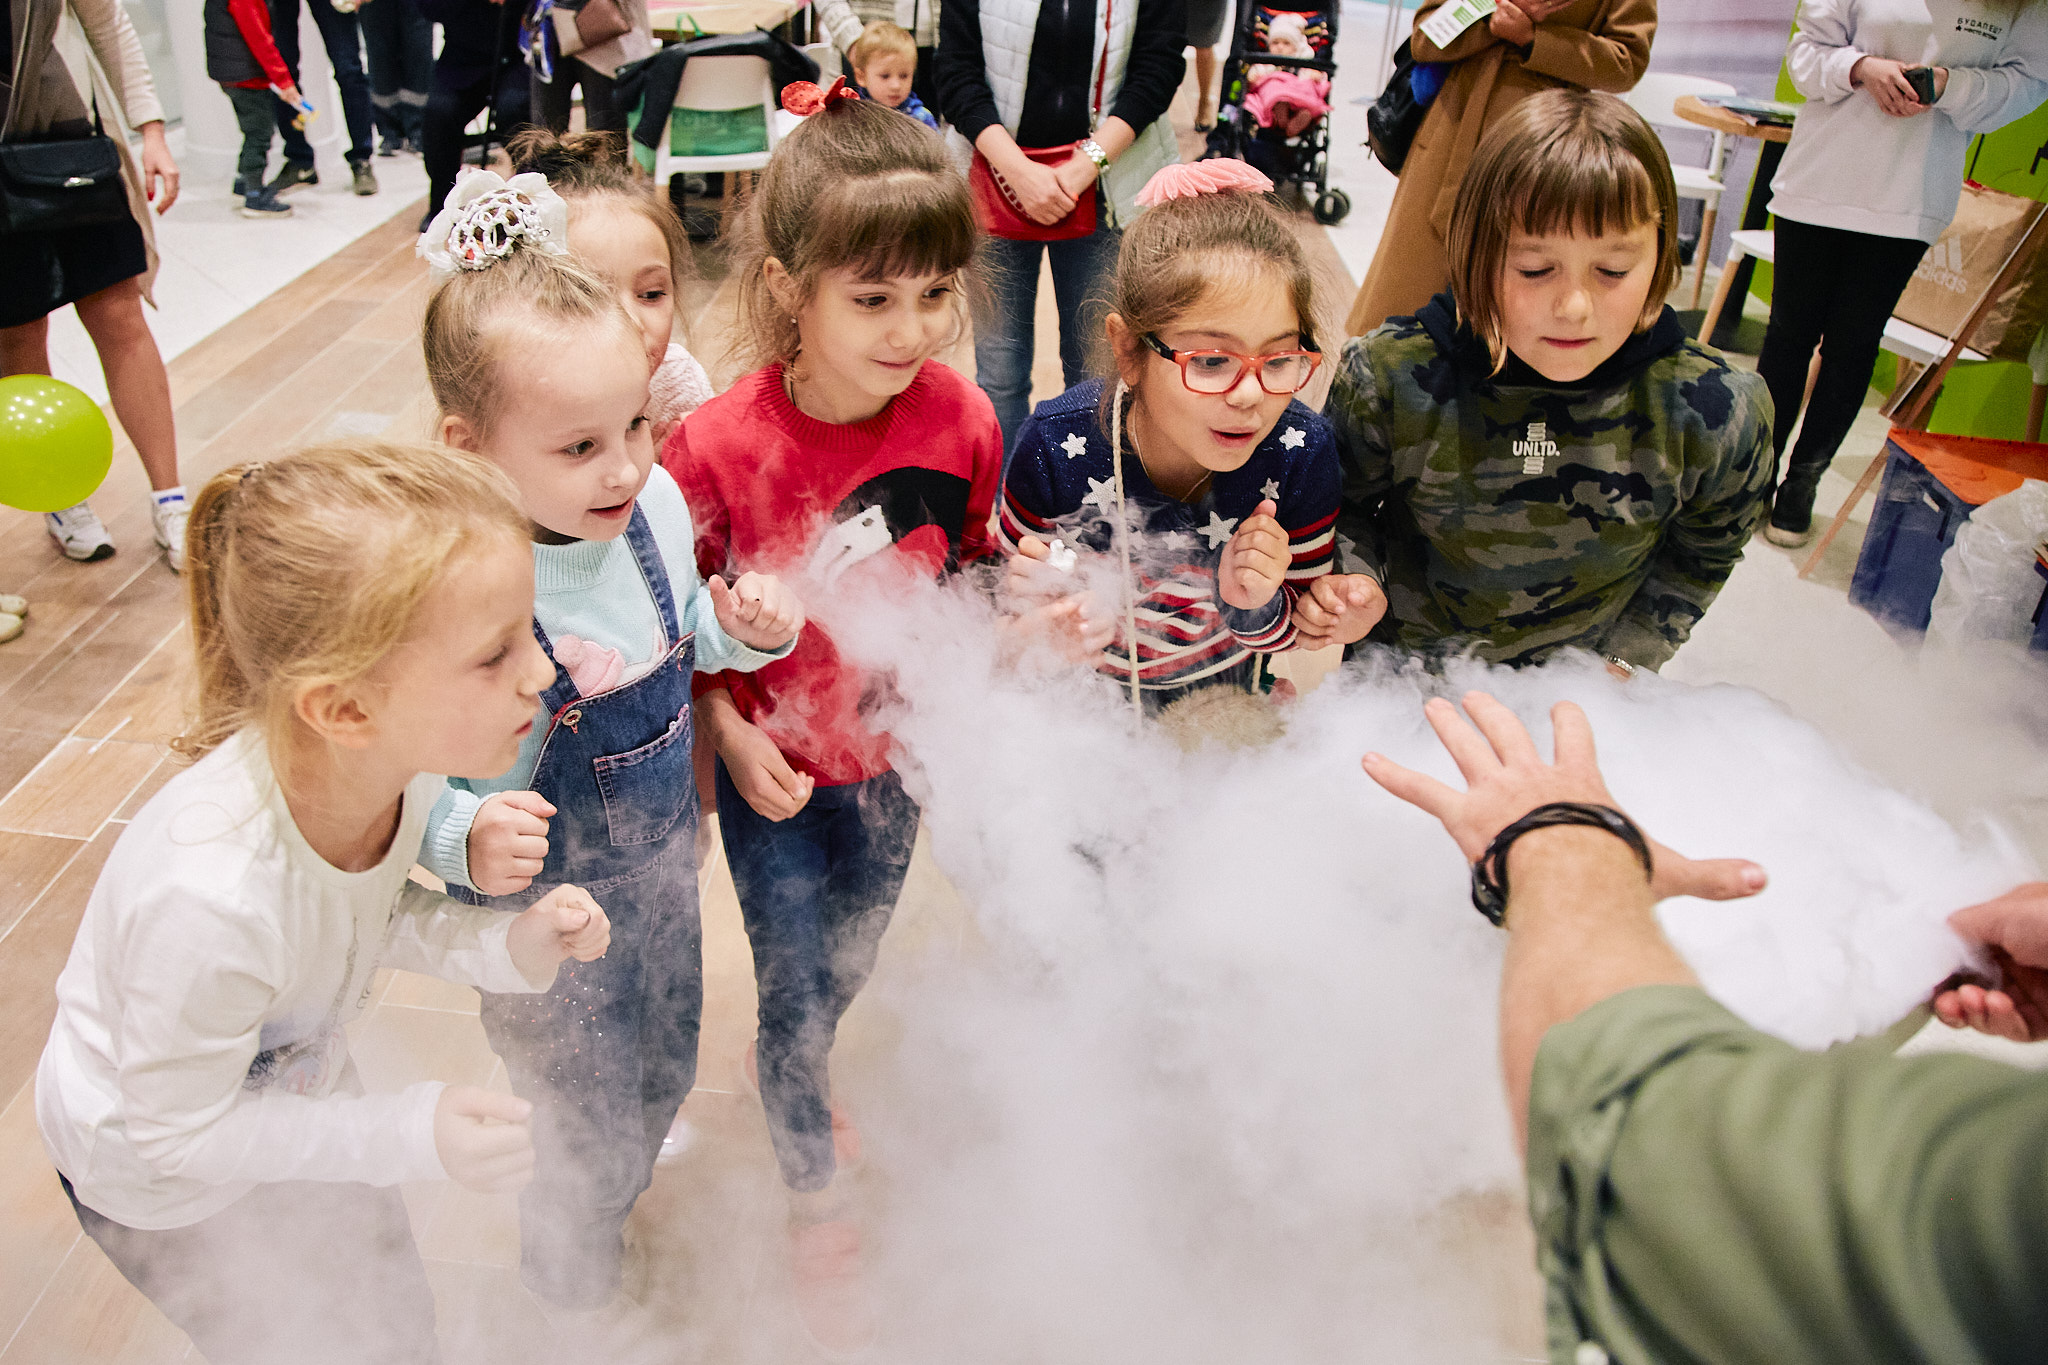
(291, 176)
(264, 204)
(365, 178)
(1791, 523)
(241, 189)
(389, 146)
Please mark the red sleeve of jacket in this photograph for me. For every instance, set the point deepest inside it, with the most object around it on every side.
(253, 18)
(977, 537)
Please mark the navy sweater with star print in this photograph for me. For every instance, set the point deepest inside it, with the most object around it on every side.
(1061, 483)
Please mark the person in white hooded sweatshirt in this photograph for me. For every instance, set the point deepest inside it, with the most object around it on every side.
(1870, 179)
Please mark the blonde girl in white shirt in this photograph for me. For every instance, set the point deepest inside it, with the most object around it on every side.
(360, 612)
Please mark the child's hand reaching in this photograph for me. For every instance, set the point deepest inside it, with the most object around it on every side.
(564, 923)
(753, 761)
(1062, 618)
(1338, 609)
(482, 1139)
(508, 842)
(1254, 563)
(758, 610)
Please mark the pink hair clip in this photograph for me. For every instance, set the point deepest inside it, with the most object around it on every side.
(1186, 180)
(803, 98)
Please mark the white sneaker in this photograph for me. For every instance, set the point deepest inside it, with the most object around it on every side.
(10, 626)
(169, 514)
(11, 605)
(79, 534)
(1790, 540)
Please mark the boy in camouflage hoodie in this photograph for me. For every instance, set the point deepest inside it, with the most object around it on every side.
(1545, 470)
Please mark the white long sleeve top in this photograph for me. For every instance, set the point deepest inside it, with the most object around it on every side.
(197, 1050)
(1850, 165)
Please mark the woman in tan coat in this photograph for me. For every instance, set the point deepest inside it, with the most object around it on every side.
(1524, 47)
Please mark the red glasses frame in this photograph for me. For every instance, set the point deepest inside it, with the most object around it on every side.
(1181, 358)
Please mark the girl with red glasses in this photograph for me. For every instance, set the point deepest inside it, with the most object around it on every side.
(1193, 464)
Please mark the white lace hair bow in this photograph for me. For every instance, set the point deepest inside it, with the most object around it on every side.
(487, 218)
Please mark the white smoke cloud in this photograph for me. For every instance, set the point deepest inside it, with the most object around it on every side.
(1215, 1077)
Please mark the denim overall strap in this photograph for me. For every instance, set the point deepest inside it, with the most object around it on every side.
(640, 538)
(609, 1052)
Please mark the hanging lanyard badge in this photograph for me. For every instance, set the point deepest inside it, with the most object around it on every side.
(1443, 27)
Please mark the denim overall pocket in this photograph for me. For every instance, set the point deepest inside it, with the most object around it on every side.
(645, 789)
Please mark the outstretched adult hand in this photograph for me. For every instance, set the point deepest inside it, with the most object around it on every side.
(2015, 928)
(1507, 778)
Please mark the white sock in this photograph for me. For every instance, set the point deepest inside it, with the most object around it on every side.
(175, 493)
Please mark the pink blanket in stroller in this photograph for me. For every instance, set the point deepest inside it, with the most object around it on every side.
(1304, 96)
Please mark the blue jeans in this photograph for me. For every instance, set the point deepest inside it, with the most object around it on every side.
(1004, 340)
(342, 36)
(816, 891)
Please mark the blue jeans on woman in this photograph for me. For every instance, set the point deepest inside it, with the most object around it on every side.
(816, 892)
(1004, 339)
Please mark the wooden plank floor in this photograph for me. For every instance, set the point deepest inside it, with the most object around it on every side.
(97, 684)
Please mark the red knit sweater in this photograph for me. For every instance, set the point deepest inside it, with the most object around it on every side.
(771, 489)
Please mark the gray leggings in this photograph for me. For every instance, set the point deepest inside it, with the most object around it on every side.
(313, 1273)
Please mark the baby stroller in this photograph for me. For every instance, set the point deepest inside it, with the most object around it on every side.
(1245, 127)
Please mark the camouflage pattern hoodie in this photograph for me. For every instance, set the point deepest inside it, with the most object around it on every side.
(1515, 516)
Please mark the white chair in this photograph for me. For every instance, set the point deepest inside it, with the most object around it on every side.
(1653, 98)
(1901, 338)
(718, 85)
(830, 63)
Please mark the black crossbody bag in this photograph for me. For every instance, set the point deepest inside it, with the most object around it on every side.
(62, 182)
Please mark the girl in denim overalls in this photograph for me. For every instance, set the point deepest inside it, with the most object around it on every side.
(536, 366)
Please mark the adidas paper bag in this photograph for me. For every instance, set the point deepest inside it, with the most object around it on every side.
(1960, 266)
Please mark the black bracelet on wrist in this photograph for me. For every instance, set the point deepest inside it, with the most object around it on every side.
(1490, 870)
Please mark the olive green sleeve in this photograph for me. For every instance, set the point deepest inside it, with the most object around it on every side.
(1704, 1193)
(1357, 412)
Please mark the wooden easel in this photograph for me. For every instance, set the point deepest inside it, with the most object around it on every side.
(1912, 403)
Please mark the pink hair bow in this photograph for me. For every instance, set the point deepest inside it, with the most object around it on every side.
(1191, 178)
(803, 98)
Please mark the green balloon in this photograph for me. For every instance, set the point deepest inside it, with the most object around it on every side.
(55, 444)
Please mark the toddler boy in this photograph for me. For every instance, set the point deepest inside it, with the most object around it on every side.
(242, 56)
(884, 58)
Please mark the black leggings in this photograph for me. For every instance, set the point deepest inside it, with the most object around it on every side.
(552, 99)
(1835, 289)
(451, 104)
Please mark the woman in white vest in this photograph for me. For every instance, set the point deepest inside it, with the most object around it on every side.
(1871, 177)
(1095, 76)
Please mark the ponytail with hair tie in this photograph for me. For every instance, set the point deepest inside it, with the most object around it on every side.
(804, 98)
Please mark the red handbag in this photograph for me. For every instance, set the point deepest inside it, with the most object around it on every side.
(1000, 215)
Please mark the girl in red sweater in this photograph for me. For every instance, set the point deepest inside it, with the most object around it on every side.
(849, 452)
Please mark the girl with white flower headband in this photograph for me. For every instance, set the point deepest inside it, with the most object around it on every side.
(628, 235)
(537, 366)
(1192, 464)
